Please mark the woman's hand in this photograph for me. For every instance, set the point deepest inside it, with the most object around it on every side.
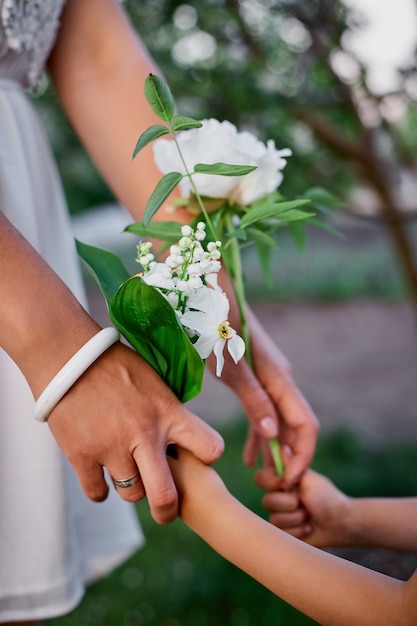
(120, 415)
(273, 403)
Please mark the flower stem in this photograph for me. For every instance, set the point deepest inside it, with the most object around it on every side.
(197, 195)
(233, 262)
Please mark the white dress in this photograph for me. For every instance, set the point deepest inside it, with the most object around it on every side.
(52, 538)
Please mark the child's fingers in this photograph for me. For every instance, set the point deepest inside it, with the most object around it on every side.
(281, 501)
(288, 521)
(266, 478)
(300, 531)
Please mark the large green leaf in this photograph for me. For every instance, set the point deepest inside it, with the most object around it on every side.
(165, 231)
(159, 97)
(105, 266)
(266, 211)
(150, 324)
(161, 192)
(224, 169)
(149, 135)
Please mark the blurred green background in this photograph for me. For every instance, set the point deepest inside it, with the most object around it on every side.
(285, 70)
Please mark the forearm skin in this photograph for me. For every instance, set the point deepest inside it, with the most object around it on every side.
(329, 589)
(41, 323)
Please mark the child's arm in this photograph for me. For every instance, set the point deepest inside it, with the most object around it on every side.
(322, 515)
(327, 588)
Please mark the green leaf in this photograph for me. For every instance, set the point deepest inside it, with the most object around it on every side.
(238, 233)
(298, 232)
(105, 266)
(181, 122)
(165, 231)
(161, 192)
(265, 261)
(261, 237)
(159, 97)
(324, 226)
(150, 324)
(266, 211)
(322, 199)
(294, 216)
(224, 169)
(149, 135)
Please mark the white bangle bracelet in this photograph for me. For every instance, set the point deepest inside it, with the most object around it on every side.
(72, 371)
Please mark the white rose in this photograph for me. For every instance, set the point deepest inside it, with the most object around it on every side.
(220, 142)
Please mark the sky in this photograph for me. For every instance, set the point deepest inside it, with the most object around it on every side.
(389, 39)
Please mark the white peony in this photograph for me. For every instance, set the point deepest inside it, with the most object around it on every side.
(220, 142)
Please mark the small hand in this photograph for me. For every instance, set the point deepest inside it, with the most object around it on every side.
(315, 511)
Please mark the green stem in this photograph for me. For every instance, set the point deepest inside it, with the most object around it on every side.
(233, 262)
(197, 195)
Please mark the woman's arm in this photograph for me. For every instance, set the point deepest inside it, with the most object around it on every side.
(119, 414)
(98, 67)
(332, 591)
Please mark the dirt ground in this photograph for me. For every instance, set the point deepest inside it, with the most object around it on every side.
(355, 362)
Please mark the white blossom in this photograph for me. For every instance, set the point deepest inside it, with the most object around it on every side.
(220, 142)
(159, 276)
(210, 321)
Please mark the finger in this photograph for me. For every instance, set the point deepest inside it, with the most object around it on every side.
(251, 447)
(158, 483)
(92, 480)
(281, 501)
(266, 478)
(288, 520)
(258, 407)
(127, 481)
(195, 435)
(301, 454)
(300, 532)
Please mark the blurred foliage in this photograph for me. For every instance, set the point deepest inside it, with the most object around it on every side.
(263, 65)
(177, 580)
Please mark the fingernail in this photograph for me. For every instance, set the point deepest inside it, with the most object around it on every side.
(269, 427)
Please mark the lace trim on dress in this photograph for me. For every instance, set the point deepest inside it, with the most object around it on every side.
(31, 26)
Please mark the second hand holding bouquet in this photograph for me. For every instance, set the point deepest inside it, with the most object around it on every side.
(175, 313)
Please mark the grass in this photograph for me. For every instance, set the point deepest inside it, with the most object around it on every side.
(176, 580)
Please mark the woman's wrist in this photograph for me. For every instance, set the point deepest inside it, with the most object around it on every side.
(73, 370)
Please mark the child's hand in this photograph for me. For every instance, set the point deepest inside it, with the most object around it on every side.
(316, 511)
(199, 486)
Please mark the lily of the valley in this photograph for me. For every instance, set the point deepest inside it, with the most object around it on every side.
(209, 320)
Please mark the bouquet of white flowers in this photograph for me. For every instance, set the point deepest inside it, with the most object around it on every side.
(174, 313)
